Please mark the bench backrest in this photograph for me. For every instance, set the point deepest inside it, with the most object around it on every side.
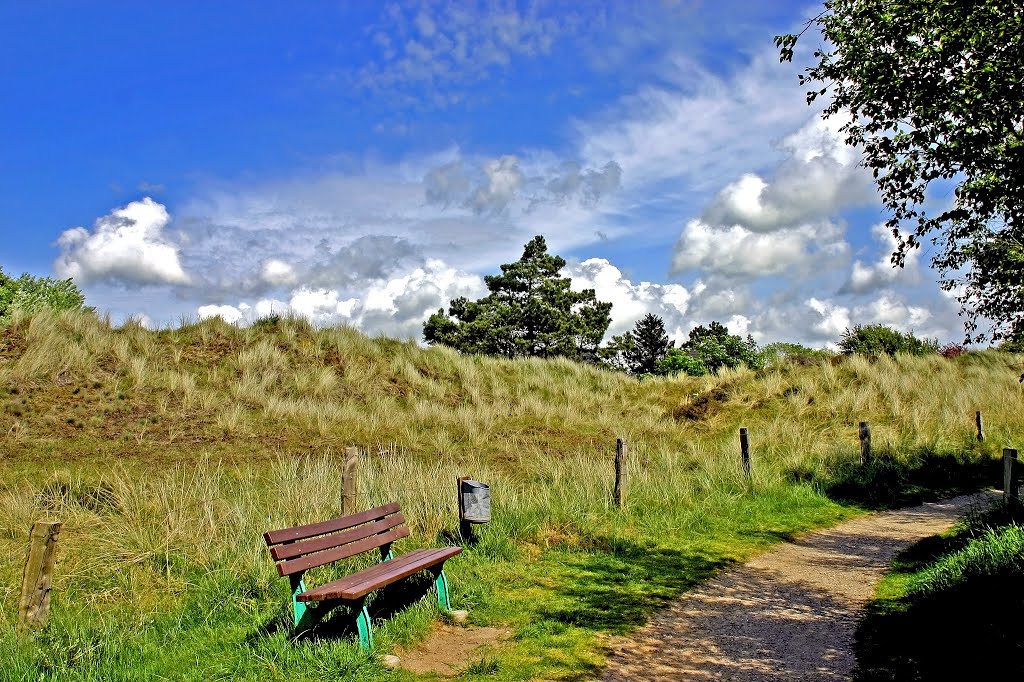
(304, 547)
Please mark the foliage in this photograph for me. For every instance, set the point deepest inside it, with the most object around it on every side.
(874, 340)
(681, 361)
(650, 345)
(952, 350)
(638, 351)
(32, 294)
(530, 312)
(930, 90)
(794, 353)
(709, 349)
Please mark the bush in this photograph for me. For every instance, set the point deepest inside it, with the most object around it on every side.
(708, 349)
(677, 360)
(877, 339)
(952, 350)
(31, 294)
(775, 353)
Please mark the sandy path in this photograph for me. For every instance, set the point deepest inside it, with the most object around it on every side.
(788, 614)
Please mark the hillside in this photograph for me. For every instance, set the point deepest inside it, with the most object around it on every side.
(167, 454)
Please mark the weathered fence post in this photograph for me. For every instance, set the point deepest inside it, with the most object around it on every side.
(977, 419)
(865, 443)
(34, 608)
(619, 494)
(745, 451)
(1011, 476)
(350, 481)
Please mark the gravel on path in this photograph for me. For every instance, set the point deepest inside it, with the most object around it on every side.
(788, 614)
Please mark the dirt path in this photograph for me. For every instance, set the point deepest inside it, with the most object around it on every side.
(789, 614)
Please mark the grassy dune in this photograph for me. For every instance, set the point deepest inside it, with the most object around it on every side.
(167, 455)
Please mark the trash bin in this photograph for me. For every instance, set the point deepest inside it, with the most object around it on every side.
(474, 501)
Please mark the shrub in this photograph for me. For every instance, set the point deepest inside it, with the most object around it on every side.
(798, 354)
(877, 339)
(32, 294)
(952, 350)
(708, 349)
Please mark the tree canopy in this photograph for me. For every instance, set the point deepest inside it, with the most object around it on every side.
(32, 294)
(530, 311)
(934, 92)
(708, 349)
(639, 350)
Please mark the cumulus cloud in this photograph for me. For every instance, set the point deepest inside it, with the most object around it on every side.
(739, 252)
(127, 245)
(869, 277)
(818, 177)
(396, 306)
(631, 301)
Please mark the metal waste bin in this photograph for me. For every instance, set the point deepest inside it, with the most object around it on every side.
(474, 501)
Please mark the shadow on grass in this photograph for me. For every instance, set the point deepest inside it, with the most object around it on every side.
(968, 631)
(339, 622)
(888, 482)
(619, 584)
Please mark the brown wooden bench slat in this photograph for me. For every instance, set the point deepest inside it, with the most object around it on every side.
(372, 573)
(318, 544)
(362, 583)
(344, 552)
(276, 537)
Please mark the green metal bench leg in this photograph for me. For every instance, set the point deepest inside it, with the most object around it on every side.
(303, 614)
(441, 584)
(363, 625)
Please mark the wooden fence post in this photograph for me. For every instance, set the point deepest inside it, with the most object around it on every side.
(350, 482)
(34, 607)
(977, 419)
(745, 451)
(1011, 476)
(865, 443)
(619, 494)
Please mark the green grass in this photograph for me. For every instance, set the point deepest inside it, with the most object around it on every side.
(951, 607)
(167, 455)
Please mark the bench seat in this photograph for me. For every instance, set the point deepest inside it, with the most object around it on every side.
(379, 575)
(301, 548)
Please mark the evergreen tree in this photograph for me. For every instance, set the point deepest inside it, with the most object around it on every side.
(650, 343)
(530, 311)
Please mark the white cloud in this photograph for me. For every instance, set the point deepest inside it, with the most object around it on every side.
(818, 178)
(631, 301)
(866, 278)
(277, 273)
(396, 306)
(127, 245)
(504, 178)
(738, 252)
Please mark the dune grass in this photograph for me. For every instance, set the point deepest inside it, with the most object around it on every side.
(168, 453)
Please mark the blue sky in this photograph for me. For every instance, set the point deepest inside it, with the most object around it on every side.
(365, 162)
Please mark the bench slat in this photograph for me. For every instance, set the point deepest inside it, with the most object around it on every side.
(318, 544)
(362, 583)
(276, 537)
(343, 552)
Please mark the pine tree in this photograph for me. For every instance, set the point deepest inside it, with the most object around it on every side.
(650, 343)
(531, 311)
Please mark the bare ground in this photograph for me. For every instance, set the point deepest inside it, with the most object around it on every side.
(788, 614)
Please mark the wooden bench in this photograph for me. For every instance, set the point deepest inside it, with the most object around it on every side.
(298, 549)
